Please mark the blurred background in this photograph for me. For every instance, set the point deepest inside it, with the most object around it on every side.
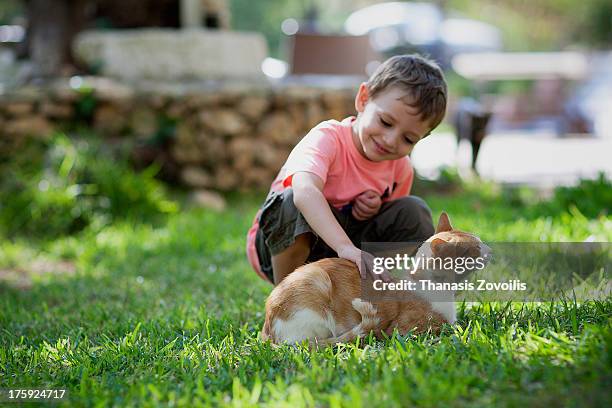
(138, 139)
(101, 100)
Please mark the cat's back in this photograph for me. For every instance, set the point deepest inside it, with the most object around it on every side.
(319, 285)
(320, 291)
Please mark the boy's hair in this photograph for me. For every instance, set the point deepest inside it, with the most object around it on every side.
(421, 77)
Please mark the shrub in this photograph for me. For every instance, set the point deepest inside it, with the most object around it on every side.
(76, 182)
(448, 181)
(593, 198)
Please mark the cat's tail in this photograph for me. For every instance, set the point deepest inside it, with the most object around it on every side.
(369, 321)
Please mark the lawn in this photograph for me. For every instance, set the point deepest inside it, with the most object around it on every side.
(168, 313)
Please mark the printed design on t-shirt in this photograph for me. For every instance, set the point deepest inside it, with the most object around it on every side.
(388, 192)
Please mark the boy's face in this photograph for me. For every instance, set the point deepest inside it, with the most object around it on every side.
(387, 128)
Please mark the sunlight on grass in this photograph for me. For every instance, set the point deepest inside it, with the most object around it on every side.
(169, 313)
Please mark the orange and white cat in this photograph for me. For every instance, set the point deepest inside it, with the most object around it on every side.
(319, 302)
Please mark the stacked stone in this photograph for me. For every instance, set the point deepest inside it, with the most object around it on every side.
(225, 138)
(31, 113)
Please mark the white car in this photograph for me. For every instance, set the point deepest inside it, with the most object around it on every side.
(590, 105)
(396, 27)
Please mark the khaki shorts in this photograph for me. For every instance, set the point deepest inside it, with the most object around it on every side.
(407, 219)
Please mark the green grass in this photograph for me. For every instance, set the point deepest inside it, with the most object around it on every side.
(132, 314)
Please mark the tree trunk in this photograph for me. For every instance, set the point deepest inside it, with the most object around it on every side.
(52, 25)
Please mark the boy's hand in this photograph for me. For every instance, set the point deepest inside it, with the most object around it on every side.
(365, 265)
(366, 205)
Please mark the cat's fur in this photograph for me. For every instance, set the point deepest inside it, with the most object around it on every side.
(319, 302)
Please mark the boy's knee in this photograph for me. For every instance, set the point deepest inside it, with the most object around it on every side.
(301, 244)
(413, 203)
(415, 210)
(411, 216)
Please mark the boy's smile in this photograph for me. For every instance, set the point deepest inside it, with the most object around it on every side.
(386, 128)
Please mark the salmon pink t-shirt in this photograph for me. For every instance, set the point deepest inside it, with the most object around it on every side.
(329, 151)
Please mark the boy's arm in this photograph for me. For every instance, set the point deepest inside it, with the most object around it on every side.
(309, 199)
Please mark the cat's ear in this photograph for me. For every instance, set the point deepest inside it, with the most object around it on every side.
(444, 223)
(437, 245)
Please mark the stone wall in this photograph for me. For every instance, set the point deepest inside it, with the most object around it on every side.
(222, 137)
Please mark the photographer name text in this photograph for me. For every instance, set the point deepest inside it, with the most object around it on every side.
(429, 285)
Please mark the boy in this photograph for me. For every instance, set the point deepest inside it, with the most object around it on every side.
(348, 182)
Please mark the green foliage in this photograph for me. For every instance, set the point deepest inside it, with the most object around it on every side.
(525, 25)
(459, 86)
(593, 198)
(544, 24)
(9, 10)
(166, 130)
(596, 27)
(76, 183)
(86, 104)
(448, 181)
(266, 17)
